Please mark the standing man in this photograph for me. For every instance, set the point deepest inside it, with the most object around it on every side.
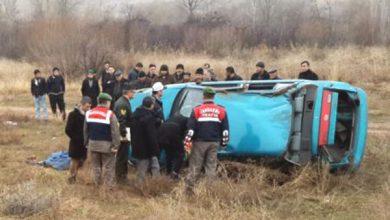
(133, 74)
(164, 77)
(144, 140)
(261, 73)
(178, 75)
(104, 71)
(306, 72)
(101, 135)
(273, 74)
(152, 74)
(186, 78)
(199, 76)
(157, 93)
(123, 112)
(231, 74)
(38, 91)
(90, 87)
(75, 131)
(208, 128)
(142, 82)
(108, 81)
(56, 91)
(120, 81)
(209, 72)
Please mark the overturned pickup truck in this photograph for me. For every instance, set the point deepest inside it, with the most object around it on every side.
(297, 120)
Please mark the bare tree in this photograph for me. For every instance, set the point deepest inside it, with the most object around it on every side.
(191, 6)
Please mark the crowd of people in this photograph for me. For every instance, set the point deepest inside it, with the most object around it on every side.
(105, 123)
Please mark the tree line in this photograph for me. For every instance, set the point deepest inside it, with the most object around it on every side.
(70, 32)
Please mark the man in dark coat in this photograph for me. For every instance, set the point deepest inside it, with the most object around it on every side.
(164, 77)
(178, 75)
(306, 72)
(171, 136)
(122, 110)
(133, 74)
(144, 139)
(152, 74)
(38, 91)
(231, 74)
(91, 87)
(142, 82)
(108, 81)
(104, 71)
(56, 91)
(120, 81)
(261, 73)
(74, 130)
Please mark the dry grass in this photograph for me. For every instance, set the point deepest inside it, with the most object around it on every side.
(242, 191)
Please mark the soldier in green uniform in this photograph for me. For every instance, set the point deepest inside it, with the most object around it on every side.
(122, 110)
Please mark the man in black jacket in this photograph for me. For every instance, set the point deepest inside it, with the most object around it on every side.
(261, 73)
(56, 91)
(178, 75)
(90, 87)
(120, 81)
(74, 130)
(306, 72)
(38, 91)
(123, 112)
(133, 74)
(171, 135)
(142, 82)
(231, 74)
(108, 81)
(208, 128)
(144, 139)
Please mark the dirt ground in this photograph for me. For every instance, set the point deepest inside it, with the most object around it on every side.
(243, 191)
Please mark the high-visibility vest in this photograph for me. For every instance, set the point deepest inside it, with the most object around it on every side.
(98, 124)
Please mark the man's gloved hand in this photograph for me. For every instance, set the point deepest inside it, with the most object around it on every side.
(225, 138)
(188, 141)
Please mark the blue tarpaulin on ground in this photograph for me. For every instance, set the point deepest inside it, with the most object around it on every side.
(58, 160)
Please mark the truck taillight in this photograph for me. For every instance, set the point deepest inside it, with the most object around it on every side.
(325, 117)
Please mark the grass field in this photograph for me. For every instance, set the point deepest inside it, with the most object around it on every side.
(243, 191)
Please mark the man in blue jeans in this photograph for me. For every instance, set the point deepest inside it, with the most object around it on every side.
(39, 90)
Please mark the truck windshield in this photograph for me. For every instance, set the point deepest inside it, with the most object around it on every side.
(186, 101)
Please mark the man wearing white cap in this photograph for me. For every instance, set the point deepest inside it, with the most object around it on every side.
(158, 89)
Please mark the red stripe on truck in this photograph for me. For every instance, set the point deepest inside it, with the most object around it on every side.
(325, 117)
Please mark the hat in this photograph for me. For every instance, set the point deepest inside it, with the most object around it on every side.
(199, 71)
(158, 86)
(92, 71)
(104, 96)
(118, 73)
(164, 67)
(208, 91)
(141, 74)
(260, 64)
(272, 70)
(148, 101)
(180, 66)
(230, 69)
(85, 100)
